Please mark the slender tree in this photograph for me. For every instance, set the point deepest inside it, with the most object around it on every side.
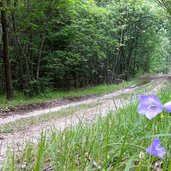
(5, 56)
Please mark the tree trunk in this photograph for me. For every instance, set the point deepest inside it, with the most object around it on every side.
(5, 42)
(17, 49)
(39, 57)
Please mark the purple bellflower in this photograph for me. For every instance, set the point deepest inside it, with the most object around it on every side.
(167, 107)
(150, 106)
(156, 149)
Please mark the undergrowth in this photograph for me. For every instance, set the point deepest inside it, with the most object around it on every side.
(21, 99)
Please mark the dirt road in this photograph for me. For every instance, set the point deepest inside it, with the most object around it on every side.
(107, 103)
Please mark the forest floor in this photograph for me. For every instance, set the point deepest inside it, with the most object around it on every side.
(18, 128)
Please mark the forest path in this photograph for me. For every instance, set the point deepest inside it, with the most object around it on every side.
(107, 103)
(12, 118)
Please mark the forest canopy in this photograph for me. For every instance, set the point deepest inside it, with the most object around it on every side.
(63, 44)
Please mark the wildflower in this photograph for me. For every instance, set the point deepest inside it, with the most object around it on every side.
(156, 149)
(167, 106)
(150, 106)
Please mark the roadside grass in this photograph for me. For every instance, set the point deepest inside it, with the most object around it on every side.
(20, 99)
(117, 142)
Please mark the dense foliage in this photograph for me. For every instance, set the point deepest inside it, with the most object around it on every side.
(76, 43)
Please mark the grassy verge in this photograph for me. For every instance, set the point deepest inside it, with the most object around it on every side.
(118, 142)
(20, 99)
